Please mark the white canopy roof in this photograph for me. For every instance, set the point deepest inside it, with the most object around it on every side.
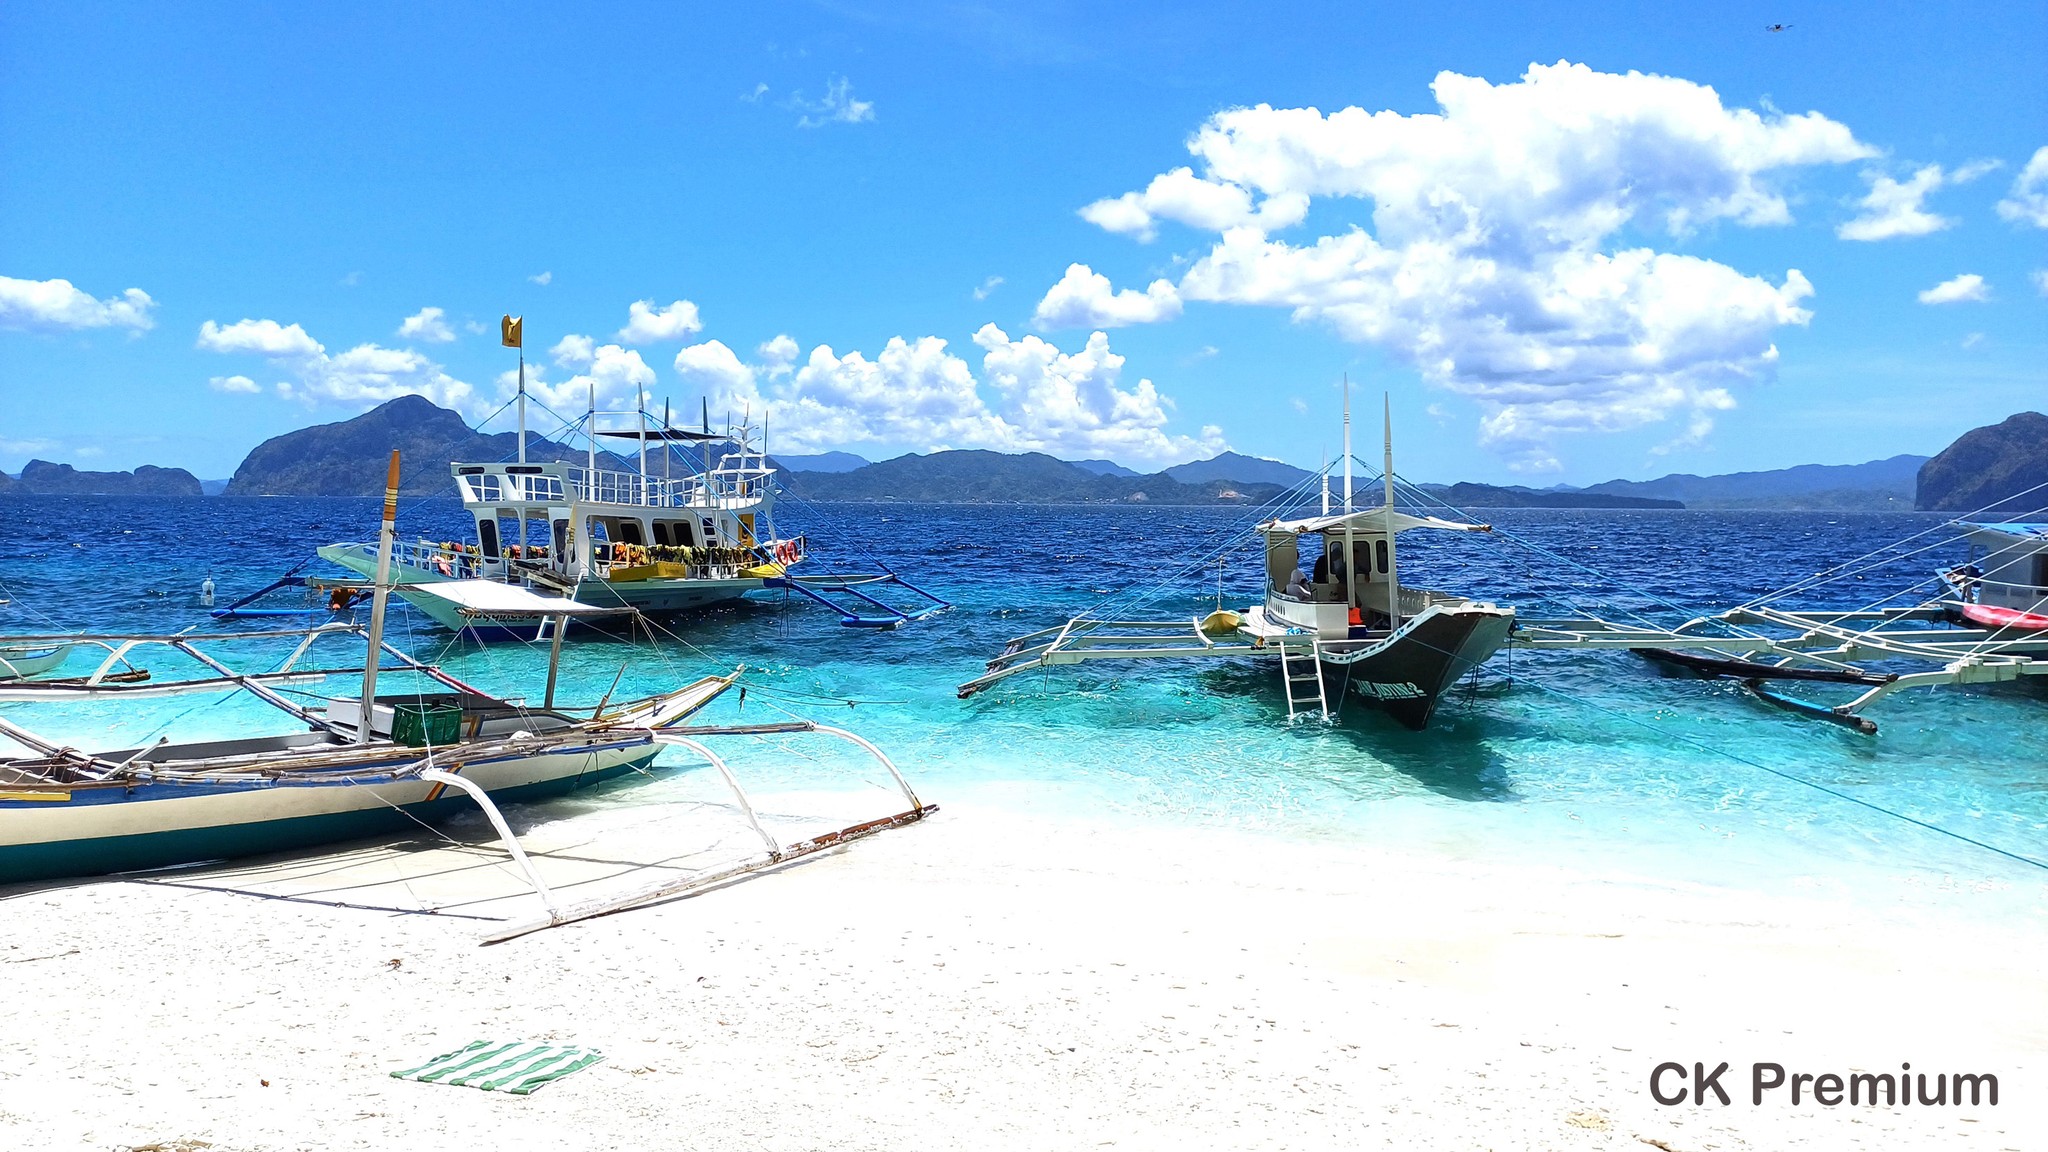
(490, 598)
(1365, 520)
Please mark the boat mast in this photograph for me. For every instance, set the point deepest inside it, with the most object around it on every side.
(590, 431)
(380, 594)
(1350, 552)
(1387, 473)
(511, 335)
(1326, 481)
(642, 430)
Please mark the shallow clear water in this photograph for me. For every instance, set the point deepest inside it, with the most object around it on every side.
(1594, 761)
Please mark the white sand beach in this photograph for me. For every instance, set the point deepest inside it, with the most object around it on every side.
(992, 980)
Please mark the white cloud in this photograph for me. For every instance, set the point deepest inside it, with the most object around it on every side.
(617, 373)
(778, 356)
(1892, 209)
(1966, 288)
(646, 324)
(542, 278)
(367, 373)
(1030, 397)
(1084, 299)
(2027, 203)
(1972, 340)
(260, 338)
(754, 97)
(1180, 195)
(427, 324)
(573, 351)
(1494, 261)
(837, 107)
(1073, 404)
(988, 287)
(233, 384)
(715, 371)
(52, 305)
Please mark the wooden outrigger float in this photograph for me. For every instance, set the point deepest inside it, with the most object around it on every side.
(364, 764)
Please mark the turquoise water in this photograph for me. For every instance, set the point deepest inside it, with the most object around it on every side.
(1592, 761)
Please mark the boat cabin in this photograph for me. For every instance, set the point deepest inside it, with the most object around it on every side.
(2008, 566)
(1336, 575)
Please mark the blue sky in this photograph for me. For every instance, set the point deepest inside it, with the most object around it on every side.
(1560, 275)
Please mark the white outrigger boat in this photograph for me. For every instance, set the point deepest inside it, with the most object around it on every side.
(362, 765)
(25, 660)
(657, 544)
(1350, 628)
(1354, 629)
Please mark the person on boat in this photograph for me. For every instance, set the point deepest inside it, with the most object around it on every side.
(1330, 565)
(1298, 586)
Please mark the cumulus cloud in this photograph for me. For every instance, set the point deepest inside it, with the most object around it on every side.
(427, 324)
(1892, 209)
(1506, 257)
(259, 337)
(1213, 206)
(542, 278)
(233, 384)
(2027, 203)
(837, 107)
(573, 351)
(366, 373)
(988, 287)
(646, 324)
(1967, 288)
(616, 373)
(1030, 396)
(778, 356)
(56, 305)
(1084, 299)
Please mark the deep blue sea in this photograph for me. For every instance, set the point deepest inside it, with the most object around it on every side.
(1585, 760)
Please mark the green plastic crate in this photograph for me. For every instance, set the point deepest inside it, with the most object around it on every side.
(422, 725)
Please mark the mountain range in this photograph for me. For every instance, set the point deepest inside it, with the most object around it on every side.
(346, 458)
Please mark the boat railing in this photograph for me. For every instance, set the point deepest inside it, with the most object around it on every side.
(562, 485)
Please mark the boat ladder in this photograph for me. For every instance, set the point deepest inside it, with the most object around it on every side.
(1292, 660)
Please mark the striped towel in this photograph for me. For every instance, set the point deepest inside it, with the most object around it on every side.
(503, 1066)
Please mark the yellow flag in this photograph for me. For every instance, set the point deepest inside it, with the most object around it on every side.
(509, 329)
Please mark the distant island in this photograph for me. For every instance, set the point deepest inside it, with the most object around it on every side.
(1984, 467)
(42, 478)
(1999, 472)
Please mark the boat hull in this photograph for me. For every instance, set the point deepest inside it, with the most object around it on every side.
(1405, 674)
(89, 830)
(651, 597)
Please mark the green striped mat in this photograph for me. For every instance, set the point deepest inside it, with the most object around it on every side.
(503, 1066)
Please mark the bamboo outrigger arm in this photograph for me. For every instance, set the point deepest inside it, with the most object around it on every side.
(774, 854)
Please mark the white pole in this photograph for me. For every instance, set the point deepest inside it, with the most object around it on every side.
(1347, 441)
(642, 389)
(1350, 552)
(380, 594)
(522, 402)
(1387, 472)
(590, 430)
(1326, 481)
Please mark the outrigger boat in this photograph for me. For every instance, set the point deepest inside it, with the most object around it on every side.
(1351, 628)
(659, 545)
(23, 660)
(363, 765)
(1354, 626)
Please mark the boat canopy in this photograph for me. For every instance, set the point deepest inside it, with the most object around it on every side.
(672, 434)
(490, 598)
(2037, 531)
(1365, 520)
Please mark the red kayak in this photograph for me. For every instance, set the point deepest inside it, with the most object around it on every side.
(1987, 616)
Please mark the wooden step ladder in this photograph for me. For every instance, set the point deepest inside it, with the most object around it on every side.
(1291, 677)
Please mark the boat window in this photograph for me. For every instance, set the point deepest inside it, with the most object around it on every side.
(562, 538)
(2041, 570)
(1379, 548)
(629, 532)
(487, 538)
(661, 537)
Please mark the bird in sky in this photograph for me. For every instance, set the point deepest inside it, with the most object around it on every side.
(1776, 27)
